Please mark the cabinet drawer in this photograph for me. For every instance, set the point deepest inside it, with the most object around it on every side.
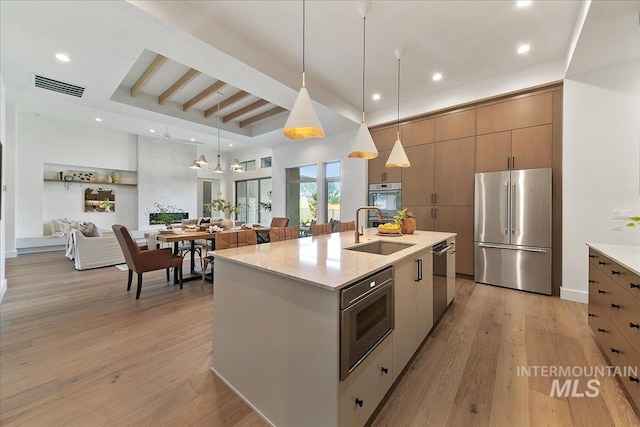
(365, 387)
(600, 261)
(599, 289)
(625, 314)
(625, 278)
(600, 325)
(625, 356)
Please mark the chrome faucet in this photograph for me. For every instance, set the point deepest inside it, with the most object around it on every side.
(366, 208)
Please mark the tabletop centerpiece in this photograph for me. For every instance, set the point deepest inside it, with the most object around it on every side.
(225, 207)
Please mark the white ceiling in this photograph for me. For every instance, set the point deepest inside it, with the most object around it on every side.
(256, 46)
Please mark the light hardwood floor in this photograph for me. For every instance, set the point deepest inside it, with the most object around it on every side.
(77, 349)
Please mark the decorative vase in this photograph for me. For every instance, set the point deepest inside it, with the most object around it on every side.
(115, 176)
(408, 226)
(227, 222)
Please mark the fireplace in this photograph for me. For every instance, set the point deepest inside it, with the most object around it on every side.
(154, 218)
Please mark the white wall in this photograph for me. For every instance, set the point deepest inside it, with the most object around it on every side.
(44, 140)
(3, 281)
(601, 160)
(319, 151)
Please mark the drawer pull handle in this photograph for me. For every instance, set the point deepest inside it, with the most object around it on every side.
(633, 285)
(592, 315)
(615, 306)
(600, 291)
(384, 370)
(592, 281)
(601, 330)
(634, 325)
(634, 379)
(615, 350)
(615, 272)
(591, 256)
(359, 402)
(602, 263)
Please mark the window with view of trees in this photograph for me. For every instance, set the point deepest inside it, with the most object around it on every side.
(332, 190)
(255, 194)
(302, 195)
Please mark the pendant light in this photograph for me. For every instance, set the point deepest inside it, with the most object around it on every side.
(303, 122)
(398, 158)
(363, 145)
(202, 160)
(218, 169)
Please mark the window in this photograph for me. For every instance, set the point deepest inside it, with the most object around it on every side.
(249, 165)
(256, 195)
(265, 162)
(302, 195)
(332, 191)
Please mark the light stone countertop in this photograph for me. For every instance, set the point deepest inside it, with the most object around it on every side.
(627, 256)
(322, 260)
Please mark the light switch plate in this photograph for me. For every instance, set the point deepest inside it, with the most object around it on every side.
(621, 213)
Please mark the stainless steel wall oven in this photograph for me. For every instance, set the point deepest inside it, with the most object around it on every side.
(366, 318)
(387, 198)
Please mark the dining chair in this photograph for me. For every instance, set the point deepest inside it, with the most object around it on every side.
(291, 232)
(277, 234)
(142, 260)
(320, 229)
(347, 226)
(279, 222)
(247, 238)
(224, 240)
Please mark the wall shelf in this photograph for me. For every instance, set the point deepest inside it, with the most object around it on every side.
(91, 183)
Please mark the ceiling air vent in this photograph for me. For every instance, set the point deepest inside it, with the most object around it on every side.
(58, 86)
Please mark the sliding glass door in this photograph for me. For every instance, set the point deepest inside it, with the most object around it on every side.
(255, 194)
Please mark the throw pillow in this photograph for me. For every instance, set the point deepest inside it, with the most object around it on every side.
(204, 220)
(88, 229)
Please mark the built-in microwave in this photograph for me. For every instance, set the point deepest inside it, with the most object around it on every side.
(387, 198)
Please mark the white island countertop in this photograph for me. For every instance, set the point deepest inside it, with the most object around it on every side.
(627, 256)
(323, 260)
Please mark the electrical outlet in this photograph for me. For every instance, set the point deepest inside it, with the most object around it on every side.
(617, 225)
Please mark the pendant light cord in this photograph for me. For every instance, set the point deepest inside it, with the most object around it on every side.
(364, 58)
(398, 98)
(303, 38)
(218, 116)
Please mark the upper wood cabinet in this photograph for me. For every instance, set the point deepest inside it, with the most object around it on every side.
(385, 138)
(454, 172)
(456, 125)
(527, 148)
(521, 112)
(379, 173)
(417, 180)
(417, 133)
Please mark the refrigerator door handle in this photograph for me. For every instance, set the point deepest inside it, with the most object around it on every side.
(513, 207)
(514, 248)
(506, 206)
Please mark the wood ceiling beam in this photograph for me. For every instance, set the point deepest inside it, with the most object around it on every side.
(261, 116)
(186, 78)
(259, 103)
(204, 94)
(148, 73)
(231, 100)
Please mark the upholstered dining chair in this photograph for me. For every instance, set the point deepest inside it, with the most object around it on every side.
(347, 226)
(320, 229)
(142, 259)
(279, 222)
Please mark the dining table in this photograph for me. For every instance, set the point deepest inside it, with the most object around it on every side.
(182, 236)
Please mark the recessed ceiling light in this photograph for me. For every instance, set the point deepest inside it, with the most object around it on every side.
(523, 48)
(523, 3)
(192, 139)
(152, 131)
(376, 96)
(98, 119)
(62, 57)
(230, 145)
(436, 77)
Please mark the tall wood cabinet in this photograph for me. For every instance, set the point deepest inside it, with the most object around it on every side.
(446, 149)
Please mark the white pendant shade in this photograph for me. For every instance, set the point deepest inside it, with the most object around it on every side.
(202, 160)
(363, 146)
(397, 158)
(303, 122)
(218, 169)
(194, 165)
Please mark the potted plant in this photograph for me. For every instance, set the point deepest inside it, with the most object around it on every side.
(165, 214)
(226, 207)
(406, 221)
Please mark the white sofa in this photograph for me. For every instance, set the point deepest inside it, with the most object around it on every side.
(93, 252)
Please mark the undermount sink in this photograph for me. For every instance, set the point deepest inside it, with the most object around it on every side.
(380, 247)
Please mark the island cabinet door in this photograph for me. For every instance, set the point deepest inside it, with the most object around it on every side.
(424, 295)
(404, 330)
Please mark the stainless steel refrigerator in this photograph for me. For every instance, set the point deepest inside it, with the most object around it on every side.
(513, 229)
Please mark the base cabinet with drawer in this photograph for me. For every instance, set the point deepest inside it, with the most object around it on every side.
(614, 317)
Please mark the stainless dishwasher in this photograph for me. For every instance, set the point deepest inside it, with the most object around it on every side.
(440, 252)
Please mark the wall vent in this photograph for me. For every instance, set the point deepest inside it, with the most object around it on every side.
(58, 86)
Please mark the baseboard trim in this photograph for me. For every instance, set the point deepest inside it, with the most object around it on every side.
(11, 254)
(573, 295)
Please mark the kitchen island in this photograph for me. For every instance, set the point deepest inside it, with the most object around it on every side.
(277, 323)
